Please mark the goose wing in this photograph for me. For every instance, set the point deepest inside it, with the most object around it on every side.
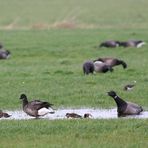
(37, 104)
(133, 108)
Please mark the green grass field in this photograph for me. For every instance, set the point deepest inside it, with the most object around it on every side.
(49, 41)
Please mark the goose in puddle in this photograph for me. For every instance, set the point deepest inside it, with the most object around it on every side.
(74, 115)
(3, 114)
(125, 108)
(36, 108)
(129, 87)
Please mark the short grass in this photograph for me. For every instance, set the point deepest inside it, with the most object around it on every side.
(47, 64)
(75, 133)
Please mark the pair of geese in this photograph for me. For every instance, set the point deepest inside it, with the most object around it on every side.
(39, 108)
(130, 43)
(102, 65)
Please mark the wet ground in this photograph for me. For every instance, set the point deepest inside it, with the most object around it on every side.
(60, 114)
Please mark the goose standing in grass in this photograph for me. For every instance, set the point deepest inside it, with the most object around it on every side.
(125, 108)
(3, 114)
(35, 108)
(132, 43)
(74, 115)
(112, 62)
(4, 54)
(88, 67)
(102, 67)
(109, 44)
(129, 86)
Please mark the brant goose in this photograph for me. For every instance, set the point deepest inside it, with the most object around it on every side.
(74, 115)
(112, 62)
(88, 67)
(35, 108)
(102, 67)
(87, 115)
(129, 86)
(125, 108)
(109, 44)
(132, 43)
(4, 54)
(2, 114)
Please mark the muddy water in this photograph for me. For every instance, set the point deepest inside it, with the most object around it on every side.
(60, 114)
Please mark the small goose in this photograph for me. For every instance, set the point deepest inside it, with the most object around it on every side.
(35, 108)
(129, 87)
(132, 43)
(102, 67)
(109, 44)
(74, 115)
(88, 67)
(87, 115)
(3, 114)
(112, 62)
(125, 108)
(4, 54)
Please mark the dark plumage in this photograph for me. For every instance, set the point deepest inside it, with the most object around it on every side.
(125, 108)
(110, 44)
(132, 43)
(112, 62)
(102, 67)
(74, 115)
(129, 86)
(87, 115)
(35, 108)
(3, 114)
(4, 54)
(88, 67)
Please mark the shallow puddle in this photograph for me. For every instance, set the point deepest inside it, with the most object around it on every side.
(60, 114)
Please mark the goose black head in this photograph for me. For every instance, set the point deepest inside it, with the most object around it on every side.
(23, 96)
(112, 93)
(8, 52)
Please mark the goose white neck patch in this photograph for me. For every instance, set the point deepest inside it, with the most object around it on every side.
(116, 97)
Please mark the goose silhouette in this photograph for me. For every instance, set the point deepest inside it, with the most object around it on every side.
(110, 44)
(112, 61)
(74, 115)
(132, 43)
(35, 108)
(125, 108)
(3, 114)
